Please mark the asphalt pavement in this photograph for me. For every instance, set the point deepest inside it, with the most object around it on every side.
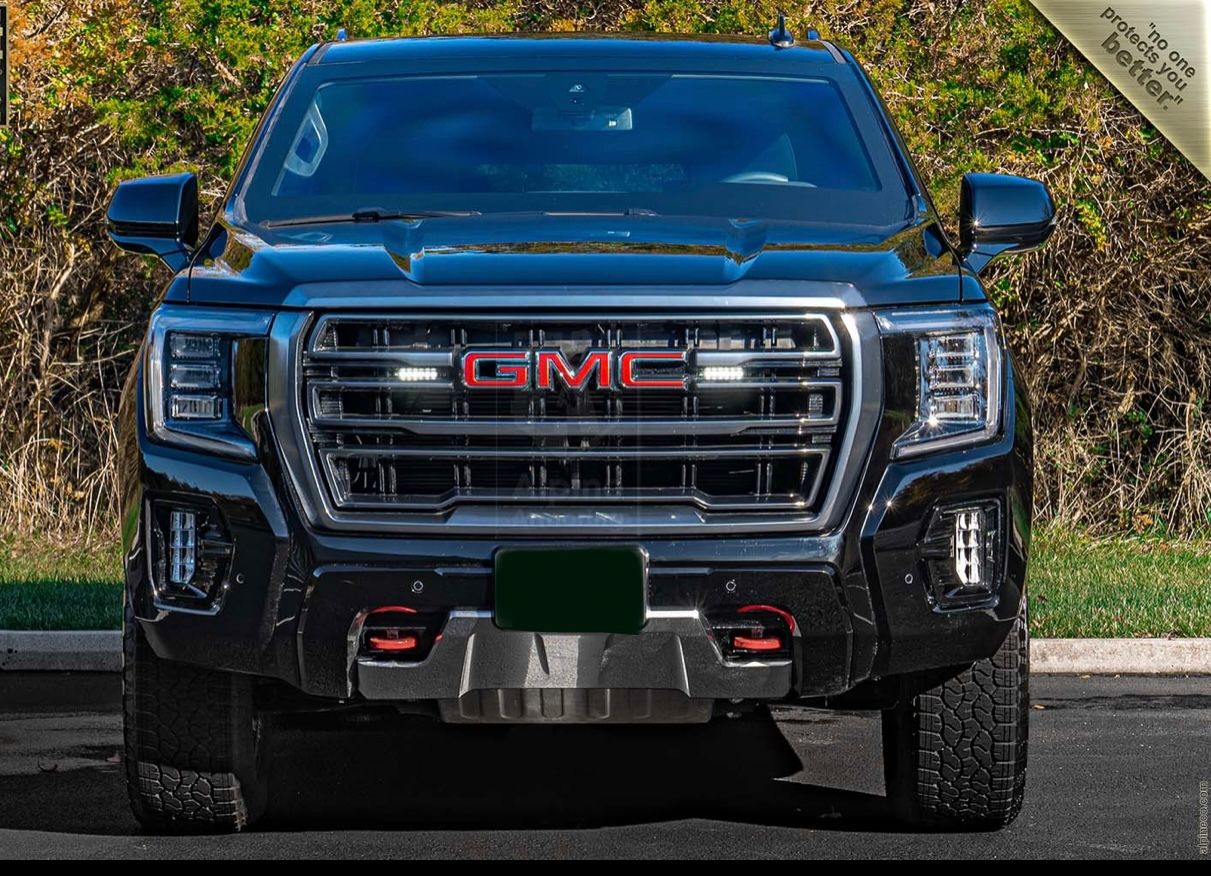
(1115, 769)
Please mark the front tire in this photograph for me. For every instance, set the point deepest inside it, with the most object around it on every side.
(193, 743)
(955, 755)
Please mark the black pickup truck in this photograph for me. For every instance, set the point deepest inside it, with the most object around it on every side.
(587, 379)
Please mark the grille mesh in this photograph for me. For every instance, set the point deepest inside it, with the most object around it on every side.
(766, 441)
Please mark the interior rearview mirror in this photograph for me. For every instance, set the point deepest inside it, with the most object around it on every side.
(157, 215)
(999, 213)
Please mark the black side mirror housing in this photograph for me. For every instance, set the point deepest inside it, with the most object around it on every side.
(999, 213)
(157, 215)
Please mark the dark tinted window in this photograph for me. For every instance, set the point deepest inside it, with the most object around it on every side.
(675, 144)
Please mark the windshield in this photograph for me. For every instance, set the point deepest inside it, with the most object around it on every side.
(592, 141)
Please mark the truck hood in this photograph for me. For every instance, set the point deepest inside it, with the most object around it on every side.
(443, 255)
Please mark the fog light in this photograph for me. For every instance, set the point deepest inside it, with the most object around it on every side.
(191, 555)
(182, 547)
(962, 555)
(969, 533)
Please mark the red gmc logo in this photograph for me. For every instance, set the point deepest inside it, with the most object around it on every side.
(550, 369)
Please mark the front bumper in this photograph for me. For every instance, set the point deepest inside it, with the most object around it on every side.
(294, 595)
(478, 672)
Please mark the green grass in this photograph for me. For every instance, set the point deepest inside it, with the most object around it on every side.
(56, 587)
(1080, 587)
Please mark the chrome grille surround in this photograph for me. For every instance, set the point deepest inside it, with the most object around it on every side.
(357, 444)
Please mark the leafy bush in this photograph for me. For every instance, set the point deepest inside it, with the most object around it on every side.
(1111, 323)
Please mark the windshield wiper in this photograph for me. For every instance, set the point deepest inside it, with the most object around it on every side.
(377, 214)
(626, 211)
(370, 214)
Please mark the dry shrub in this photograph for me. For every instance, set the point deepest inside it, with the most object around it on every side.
(1110, 323)
(69, 308)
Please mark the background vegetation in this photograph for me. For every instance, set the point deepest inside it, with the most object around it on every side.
(1112, 323)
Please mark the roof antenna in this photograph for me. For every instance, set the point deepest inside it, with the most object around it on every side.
(780, 37)
(341, 35)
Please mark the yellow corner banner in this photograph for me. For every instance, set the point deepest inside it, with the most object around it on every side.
(1153, 51)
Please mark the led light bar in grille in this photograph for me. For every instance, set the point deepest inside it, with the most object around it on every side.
(722, 373)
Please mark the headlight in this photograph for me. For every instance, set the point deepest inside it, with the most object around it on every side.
(958, 367)
(196, 359)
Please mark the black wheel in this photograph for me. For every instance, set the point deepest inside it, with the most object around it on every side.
(194, 744)
(955, 755)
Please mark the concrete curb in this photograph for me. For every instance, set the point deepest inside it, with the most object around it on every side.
(59, 651)
(101, 651)
(1121, 656)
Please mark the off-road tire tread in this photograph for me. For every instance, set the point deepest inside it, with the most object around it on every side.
(191, 763)
(955, 755)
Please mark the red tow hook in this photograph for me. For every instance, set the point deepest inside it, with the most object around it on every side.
(748, 643)
(385, 637)
(756, 629)
(394, 641)
(387, 609)
(772, 609)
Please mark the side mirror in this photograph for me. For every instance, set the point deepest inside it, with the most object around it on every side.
(999, 213)
(157, 215)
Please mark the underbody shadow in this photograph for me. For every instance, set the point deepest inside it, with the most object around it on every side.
(399, 772)
(412, 773)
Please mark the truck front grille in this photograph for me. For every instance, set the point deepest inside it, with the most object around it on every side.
(394, 427)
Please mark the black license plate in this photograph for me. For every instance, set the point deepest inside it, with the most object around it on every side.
(571, 590)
